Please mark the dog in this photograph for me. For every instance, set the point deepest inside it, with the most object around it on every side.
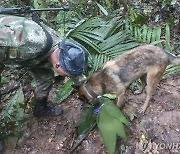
(146, 62)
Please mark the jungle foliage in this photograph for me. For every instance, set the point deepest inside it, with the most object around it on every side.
(104, 30)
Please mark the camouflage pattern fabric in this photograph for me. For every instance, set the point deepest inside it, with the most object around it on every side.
(24, 40)
(44, 78)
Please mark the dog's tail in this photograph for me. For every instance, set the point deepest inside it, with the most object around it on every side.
(174, 60)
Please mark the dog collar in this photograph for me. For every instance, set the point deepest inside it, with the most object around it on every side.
(90, 91)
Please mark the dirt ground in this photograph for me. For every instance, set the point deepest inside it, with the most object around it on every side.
(158, 131)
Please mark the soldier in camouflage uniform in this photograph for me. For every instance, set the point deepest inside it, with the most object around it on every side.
(28, 43)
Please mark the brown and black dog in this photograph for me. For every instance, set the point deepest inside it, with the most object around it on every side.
(146, 62)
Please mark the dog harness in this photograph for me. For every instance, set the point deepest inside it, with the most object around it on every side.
(91, 92)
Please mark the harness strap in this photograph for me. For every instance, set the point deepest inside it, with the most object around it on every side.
(90, 91)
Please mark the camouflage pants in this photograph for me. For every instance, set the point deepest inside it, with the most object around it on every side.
(44, 78)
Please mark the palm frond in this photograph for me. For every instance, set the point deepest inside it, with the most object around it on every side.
(105, 38)
(171, 70)
(148, 35)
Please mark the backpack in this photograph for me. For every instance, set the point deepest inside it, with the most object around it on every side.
(22, 39)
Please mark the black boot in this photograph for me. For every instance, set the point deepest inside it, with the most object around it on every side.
(41, 109)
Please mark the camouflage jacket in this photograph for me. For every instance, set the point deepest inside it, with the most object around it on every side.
(23, 40)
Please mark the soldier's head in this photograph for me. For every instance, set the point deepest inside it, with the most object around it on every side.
(72, 60)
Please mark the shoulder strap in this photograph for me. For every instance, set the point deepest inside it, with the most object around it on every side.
(48, 36)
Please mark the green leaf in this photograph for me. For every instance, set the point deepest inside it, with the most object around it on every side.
(157, 42)
(14, 116)
(136, 32)
(86, 122)
(4, 79)
(39, 4)
(91, 35)
(110, 122)
(149, 34)
(110, 96)
(64, 91)
(108, 3)
(153, 37)
(114, 40)
(87, 41)
(102, 9)
(123, 48)
(171, 70)
(158, 32)
(115, 111)
(145, 31)
(106, 127)
(139, 33)
(98, 62)
(167, 36)
(14, 108)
